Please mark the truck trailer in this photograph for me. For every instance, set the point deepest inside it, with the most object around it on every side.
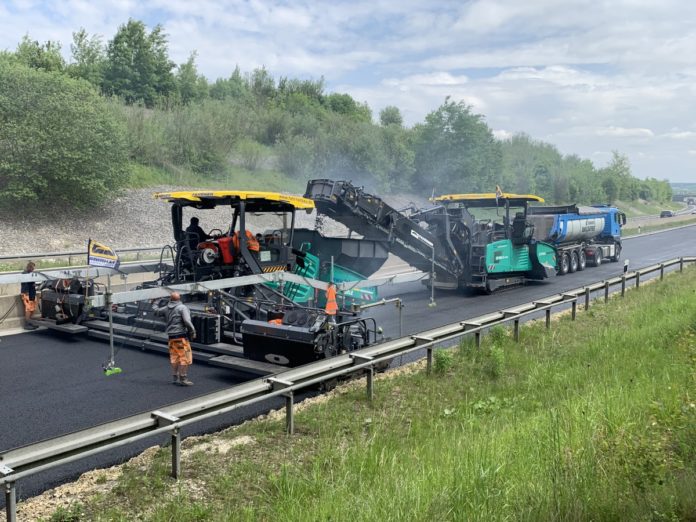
(582, 235)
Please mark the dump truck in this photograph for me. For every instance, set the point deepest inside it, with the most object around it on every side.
(582, 235)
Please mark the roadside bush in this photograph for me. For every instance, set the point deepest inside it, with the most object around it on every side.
(60, 143)
(251, 154)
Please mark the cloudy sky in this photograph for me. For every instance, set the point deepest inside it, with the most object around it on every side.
(587, 76)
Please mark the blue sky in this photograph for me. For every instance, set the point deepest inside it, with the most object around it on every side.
(587, 76)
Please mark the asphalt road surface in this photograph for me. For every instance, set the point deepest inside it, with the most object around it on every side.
(52, 385)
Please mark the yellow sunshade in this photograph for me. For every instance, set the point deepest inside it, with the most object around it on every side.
(198, 195)
(488, 196)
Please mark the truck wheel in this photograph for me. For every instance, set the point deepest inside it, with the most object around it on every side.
(582, 261)
(617, 254)
(598, 257)
(573, 262)
(565, 264)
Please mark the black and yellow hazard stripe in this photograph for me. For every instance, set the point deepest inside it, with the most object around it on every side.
(277, 268)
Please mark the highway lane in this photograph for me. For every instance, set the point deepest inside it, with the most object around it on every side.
(51, 385)
(453, 306)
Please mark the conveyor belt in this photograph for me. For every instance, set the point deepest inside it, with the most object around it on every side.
(371, 217)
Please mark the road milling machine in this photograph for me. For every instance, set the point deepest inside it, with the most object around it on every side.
(478, 241)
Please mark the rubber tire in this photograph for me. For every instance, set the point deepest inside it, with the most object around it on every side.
(616, 257)
(598, 258)
(564, 265)
(573, 262)
(582, 261)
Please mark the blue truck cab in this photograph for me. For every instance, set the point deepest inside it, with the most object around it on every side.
(615, 220)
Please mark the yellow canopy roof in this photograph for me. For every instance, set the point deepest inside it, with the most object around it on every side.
(488, 196)
(199, 195)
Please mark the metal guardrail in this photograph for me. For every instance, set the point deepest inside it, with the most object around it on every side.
(22, 462)
(81, 253)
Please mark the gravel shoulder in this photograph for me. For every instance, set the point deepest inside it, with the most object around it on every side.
(134, 219)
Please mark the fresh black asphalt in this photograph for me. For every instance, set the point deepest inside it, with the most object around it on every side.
(52, 385)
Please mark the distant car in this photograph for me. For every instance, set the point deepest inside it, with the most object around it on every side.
(666, 213)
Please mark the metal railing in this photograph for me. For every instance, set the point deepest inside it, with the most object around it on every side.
(77, 254)
(22, 462)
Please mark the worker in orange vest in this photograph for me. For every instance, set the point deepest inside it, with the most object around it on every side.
(252, 242)
(331, 305)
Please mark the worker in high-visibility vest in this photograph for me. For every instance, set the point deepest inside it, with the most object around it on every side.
(252, 242)
(331, 305)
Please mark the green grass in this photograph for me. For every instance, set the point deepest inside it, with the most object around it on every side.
(591, 420)
(233, 178)
(633, 231)
(650, 208)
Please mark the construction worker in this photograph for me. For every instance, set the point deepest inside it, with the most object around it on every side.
(28, 293)
(331, 305)
(195, 234)
(179, 330)
(252, 243)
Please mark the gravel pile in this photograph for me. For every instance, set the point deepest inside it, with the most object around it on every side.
(132, 220)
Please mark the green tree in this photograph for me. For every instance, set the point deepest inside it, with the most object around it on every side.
(345, 105)
(456, 150)
(59, 142)
(190, 85)
(233, 87)
(391, 115)
(138, 67)
(89, 58)
(45, 57)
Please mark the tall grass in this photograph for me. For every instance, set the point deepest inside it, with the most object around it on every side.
(591, 420)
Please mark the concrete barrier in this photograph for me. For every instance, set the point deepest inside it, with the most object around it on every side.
(14, 319)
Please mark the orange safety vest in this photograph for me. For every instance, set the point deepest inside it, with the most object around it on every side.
(331, 306)
(276, 321)
(252, 242)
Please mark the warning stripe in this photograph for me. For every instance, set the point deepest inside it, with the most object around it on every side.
(273, 268)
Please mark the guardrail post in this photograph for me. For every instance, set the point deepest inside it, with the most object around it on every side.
(289, 413)
(573, 310)
(587, 298)
(637, 279)
(10, 494)
(516, 330)
(681, 264)
(370, 383)
(370, 373)
(662, 271)
(165, 419)
(69, 260)
(279, 384)
(477, 336)
(429, 359)
(623, 285)
(548, 318)
(176, 453)
(400, 306)
(606, 291)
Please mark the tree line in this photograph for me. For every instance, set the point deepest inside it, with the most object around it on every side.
(73, 131)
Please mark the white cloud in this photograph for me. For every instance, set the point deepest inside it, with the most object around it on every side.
(621, 132)
(502, 134)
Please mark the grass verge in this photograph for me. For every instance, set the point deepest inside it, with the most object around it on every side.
(647, 208)
(591, 420)
(634, 231)
(233, 178)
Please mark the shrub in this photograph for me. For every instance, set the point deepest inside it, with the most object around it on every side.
(60, 143)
